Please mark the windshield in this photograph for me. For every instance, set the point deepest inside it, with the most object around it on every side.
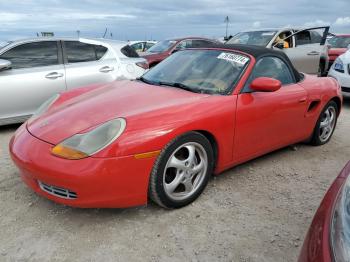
(161, 46)
(201, 71)
(339, 41)
(260, 38)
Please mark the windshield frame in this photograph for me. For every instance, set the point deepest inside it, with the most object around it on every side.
(231, 86)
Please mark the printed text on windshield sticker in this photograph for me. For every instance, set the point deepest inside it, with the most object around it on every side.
(234, 58)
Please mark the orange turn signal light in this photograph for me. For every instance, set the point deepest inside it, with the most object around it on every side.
(147, 155)
(67, 152)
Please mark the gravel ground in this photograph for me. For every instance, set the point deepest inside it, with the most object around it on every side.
(258, 211)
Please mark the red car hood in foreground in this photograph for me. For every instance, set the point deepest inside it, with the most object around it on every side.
(119, 99)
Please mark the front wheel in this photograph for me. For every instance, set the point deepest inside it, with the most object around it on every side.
(181, 171)
(325, 125)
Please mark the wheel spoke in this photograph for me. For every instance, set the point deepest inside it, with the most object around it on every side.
(324, 123)
(191, 154)
(188, 185)
(198, 168)
(174, 184)
(177, 163)
(323, 133)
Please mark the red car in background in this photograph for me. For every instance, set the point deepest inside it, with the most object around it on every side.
(339, 45)
(328, 239)
(163, 49)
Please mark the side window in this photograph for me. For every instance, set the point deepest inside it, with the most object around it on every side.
(184, 44)
(35, 54)
(201, 43)
(100, 51)
(128, 51)
(79, 52)
(137, 46)
(148, 45)
(303, 38)
(272, 67)
(316, 38)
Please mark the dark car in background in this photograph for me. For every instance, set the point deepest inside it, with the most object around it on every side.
(338, 46)
(163, 49)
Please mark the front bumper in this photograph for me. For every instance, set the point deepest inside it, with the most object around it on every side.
(317, 246)
(97, 182)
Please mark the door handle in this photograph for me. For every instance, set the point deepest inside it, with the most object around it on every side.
(313, 53)
(106, 69)
(53, 75)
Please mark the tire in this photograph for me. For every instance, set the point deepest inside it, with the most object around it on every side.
(181, 171)
(327, 120)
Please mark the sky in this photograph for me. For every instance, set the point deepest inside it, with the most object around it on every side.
(160, 19)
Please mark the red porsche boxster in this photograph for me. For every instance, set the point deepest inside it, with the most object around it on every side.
(199, 112)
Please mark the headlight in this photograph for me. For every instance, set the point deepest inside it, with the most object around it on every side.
(338, 65)
(83, 145)
(340, 231)
(42, 109)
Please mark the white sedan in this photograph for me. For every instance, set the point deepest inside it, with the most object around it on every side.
(340, 70)
(33, 70)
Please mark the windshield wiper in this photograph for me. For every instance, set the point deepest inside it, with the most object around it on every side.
(179, 85)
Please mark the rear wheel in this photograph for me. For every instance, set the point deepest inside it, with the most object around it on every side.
(181, 171)
(325, 125)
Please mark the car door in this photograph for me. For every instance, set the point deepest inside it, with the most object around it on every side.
(308, 50)
(266, 121)
(86, 64)
(37, 73)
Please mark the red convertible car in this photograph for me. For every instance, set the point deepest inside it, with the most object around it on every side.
(199, 112)
(328, 238)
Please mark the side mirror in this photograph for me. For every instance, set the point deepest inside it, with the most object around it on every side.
(5, 64)
(265, 84)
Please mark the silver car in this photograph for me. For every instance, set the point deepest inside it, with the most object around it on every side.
(306, 48)
(33, 70)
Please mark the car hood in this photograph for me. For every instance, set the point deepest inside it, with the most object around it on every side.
(127, 99)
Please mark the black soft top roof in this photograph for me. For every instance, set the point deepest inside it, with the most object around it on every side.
(257, 52)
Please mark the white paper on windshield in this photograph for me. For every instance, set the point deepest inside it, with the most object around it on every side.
(239, 59)
(268, 33)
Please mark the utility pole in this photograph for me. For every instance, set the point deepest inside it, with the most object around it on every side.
(104, 35)
(227, 20)
(78, 33)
